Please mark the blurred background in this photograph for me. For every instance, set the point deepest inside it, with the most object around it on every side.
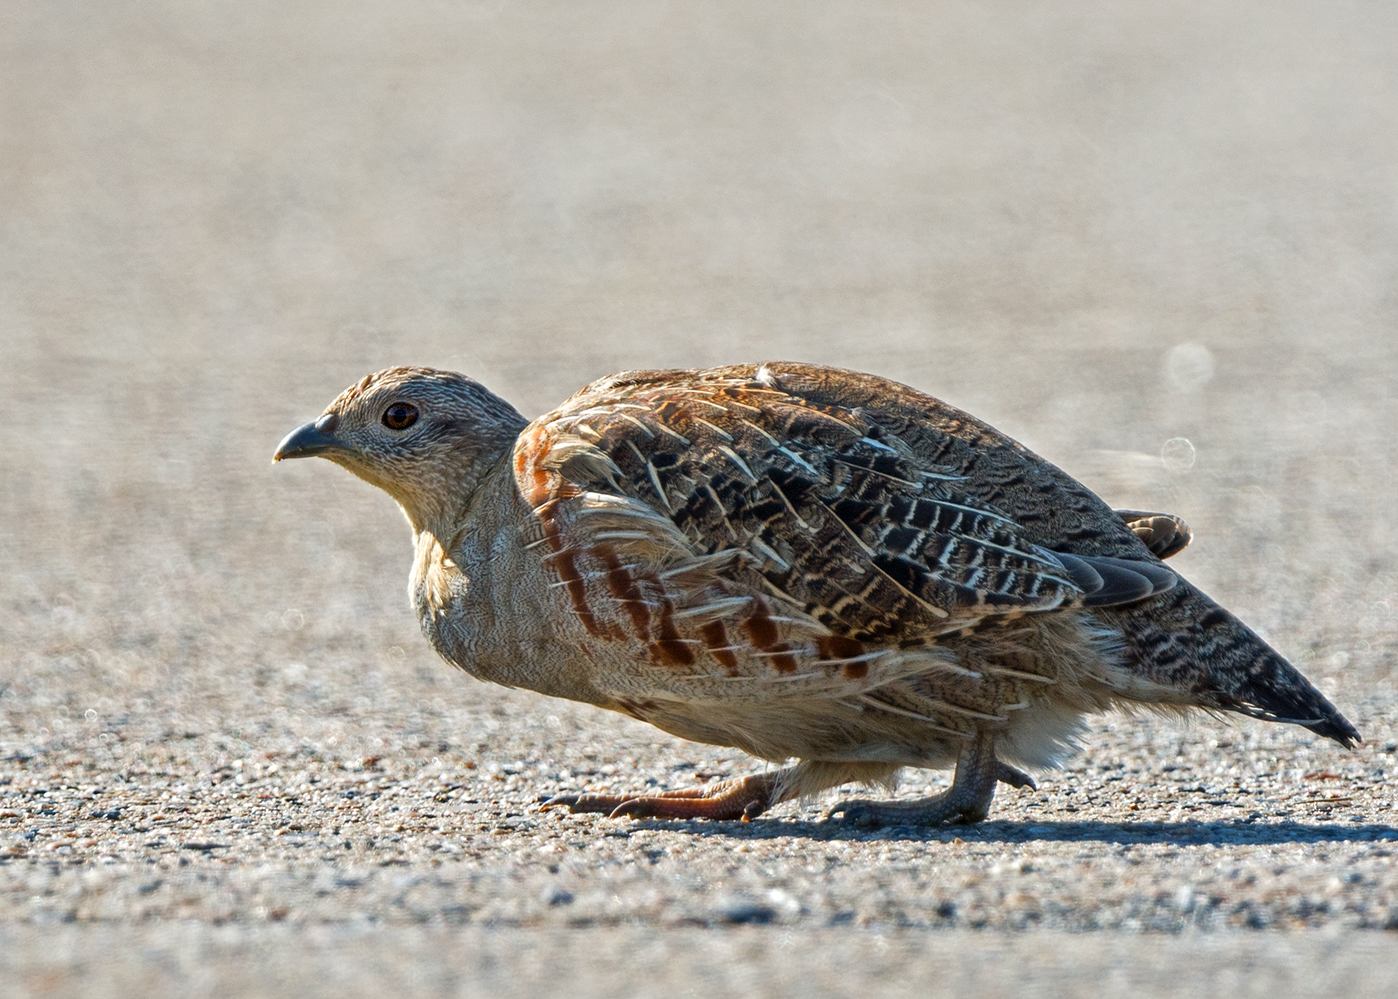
(1157, 243)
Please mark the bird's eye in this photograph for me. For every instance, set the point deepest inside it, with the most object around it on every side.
(399, 416)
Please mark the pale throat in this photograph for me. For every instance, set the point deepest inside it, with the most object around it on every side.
(436, 499)
(435, 511)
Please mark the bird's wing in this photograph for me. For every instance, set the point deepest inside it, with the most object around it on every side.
(676, 507)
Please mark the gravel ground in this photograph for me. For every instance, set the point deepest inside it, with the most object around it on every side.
(195, 960)
(1157, 243)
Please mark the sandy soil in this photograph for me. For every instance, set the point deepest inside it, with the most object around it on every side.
(1158, 243)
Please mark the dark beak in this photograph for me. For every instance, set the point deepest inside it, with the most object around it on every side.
(310, 440)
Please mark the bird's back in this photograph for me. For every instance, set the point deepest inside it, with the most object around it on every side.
(1181, 640)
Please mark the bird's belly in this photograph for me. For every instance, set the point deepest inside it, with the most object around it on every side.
(819, 731)
(1031, 685)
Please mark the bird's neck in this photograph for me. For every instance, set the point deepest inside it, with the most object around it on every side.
(442, 507)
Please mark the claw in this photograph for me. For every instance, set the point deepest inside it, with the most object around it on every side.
(576, 803)
(1015, 777)
(636, 808)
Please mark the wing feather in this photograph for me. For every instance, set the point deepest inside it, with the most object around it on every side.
(753, 539)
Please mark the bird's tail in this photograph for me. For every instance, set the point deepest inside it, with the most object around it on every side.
(1183, 640)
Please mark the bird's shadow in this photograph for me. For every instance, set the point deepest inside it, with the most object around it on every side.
(1116, 833)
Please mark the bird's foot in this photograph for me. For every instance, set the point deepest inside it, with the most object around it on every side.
(742, 798)
(945, 809)
(966, 801)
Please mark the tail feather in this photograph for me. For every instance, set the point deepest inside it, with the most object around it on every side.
(1182, 640)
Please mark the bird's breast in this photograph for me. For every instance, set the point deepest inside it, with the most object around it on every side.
(487, 608)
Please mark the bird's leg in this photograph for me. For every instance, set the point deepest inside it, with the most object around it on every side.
(966, 801)
(739, 798)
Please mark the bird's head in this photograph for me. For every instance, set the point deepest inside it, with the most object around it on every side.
(424, 436)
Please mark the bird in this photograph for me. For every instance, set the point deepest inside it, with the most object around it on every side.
(826, 569)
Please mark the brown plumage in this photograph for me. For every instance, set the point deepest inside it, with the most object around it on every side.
(798, 561)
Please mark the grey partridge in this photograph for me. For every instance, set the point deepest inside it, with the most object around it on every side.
(806, 563)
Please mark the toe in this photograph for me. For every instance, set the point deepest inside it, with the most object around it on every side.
(853, 813)
(635, 808)
(580, 803)
(1015, 777)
